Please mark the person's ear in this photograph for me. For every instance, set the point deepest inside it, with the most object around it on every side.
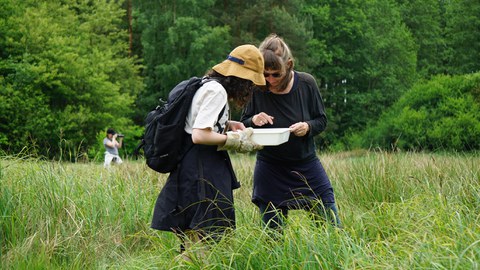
(289, 64)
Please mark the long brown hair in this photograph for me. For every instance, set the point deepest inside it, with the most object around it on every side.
(277, 56)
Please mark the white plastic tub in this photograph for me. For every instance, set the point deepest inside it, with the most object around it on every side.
(270, 136)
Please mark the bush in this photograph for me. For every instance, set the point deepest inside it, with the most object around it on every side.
(438, 114)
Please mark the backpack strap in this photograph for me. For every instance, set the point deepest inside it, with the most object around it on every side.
(137, 148)
(218, 125)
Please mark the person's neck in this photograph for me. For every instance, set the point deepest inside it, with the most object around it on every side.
(287, 90)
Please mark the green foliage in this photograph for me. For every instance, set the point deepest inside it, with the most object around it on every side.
(179, 41)
(367, 60)
(187, 38)
(20, 124)
(252, 21)
(424, 20)
(67, 76)
(462, 36)
(67, 72)
(437, 114)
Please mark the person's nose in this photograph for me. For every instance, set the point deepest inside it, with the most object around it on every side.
(270, 79)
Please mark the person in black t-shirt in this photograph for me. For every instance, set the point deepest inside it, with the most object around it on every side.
(290, 175)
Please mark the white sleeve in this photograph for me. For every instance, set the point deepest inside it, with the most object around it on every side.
(208, 102)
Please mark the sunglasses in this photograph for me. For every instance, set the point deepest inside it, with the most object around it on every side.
(275, 75)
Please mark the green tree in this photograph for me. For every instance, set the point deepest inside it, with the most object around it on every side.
(424, 20)
(462, 35)
(179, 41)
(390, 56)
(252, 21)
(365, 60)
(71, 60)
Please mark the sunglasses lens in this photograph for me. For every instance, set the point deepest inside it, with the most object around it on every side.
(275, 75)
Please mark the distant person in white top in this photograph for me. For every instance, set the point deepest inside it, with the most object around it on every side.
(111, 146)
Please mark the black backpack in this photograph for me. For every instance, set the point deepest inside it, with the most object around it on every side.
(163, 140)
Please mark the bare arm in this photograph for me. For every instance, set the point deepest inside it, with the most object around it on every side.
(114, 143)
(208, 137)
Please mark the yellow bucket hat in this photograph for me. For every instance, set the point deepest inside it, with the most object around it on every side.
(246, 62)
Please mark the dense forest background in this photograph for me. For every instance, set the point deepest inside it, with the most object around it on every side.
(394, 74)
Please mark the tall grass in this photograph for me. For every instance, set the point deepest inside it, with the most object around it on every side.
(400, 211)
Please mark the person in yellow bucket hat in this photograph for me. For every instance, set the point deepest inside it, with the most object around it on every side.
(196, 202)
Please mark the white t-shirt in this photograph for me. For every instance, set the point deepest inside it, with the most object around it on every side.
(208, 102)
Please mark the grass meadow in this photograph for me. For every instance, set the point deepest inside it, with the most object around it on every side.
(399, 210)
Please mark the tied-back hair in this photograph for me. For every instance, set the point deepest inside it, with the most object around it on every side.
(277, 55)
(238, 90)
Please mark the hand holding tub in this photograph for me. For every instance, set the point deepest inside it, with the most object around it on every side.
(246, 139)
(240, 141)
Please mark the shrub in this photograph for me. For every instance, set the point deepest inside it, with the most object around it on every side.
(438, 114)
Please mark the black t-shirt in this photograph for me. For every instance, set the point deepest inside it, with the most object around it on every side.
(302, 104)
